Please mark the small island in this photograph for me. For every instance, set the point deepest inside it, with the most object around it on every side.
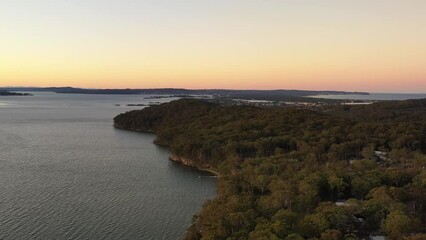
(8, 93)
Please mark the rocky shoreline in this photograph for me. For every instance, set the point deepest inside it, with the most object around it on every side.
(174, 157)
(190, 163)
(133, 129)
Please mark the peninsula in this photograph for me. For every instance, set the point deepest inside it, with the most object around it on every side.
(290, 173)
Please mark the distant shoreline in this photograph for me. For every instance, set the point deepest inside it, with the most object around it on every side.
(371, 96)
(178, 91)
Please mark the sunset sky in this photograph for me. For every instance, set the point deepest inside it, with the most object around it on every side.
(362, 45)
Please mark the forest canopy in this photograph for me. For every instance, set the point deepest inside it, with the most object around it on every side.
(342, 172)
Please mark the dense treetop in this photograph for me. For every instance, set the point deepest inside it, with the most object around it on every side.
(341, 172)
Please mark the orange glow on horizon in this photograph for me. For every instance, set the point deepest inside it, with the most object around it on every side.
(359, 46)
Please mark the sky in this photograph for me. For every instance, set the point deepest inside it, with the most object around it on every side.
(354, 45)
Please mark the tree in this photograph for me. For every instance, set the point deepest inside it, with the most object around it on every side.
(417, 237)
(313, 225)
(331, 234)
(284, 222)
(294, 236)
(284, 192)
(368, 151)
(350, 236)
(263, 231)
(397, 225)
(362, 184)
(337, 186)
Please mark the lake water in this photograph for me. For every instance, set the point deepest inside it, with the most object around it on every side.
(374, 96)
(66, 173)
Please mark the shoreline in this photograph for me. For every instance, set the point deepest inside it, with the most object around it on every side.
(172, 157)
(134, 129)
(189, 163)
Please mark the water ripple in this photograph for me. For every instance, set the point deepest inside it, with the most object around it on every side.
(67, 174)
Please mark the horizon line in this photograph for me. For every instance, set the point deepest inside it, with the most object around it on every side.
(205, 89)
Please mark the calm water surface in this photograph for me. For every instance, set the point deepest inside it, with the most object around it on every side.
(66, 173)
